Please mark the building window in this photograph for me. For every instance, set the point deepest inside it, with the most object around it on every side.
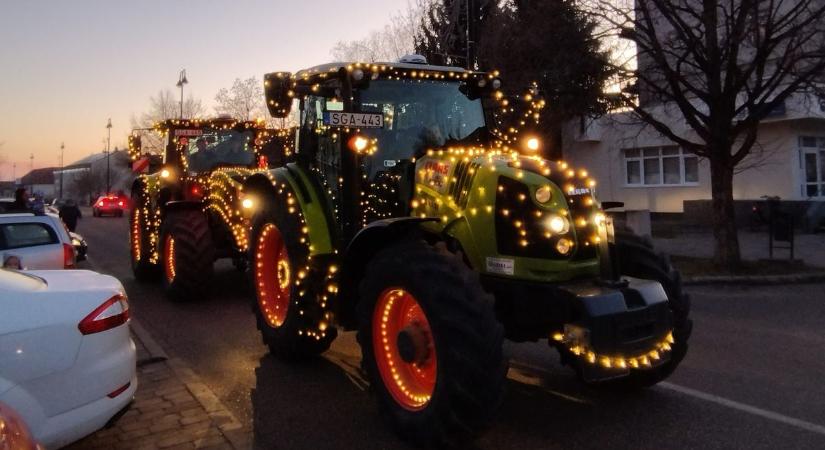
(812, 162)
(660, 166)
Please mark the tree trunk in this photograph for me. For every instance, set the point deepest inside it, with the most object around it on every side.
(726, 254)
(553, 146)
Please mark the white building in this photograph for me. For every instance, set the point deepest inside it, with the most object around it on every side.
(637, 165)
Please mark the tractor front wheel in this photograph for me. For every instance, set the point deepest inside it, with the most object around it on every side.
(431, 343)
(289, 288)
(187, 254)
(140, 248)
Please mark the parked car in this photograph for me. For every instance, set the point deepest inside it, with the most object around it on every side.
(38, 241)
(80, 246)
(108, 204)
(6, 204)
(14, 433)
(67, 361)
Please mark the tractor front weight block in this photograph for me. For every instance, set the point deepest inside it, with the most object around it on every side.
(604, 331)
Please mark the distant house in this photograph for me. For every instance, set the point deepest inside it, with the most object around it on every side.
(86, 178)
(7, 189)
(39, 181)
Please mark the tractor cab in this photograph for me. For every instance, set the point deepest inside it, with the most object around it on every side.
(363, 127)
(191, 147)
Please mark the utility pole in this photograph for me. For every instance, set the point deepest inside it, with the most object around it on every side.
(61, 170)
(31, 168)
(181, 81)
(108, 142)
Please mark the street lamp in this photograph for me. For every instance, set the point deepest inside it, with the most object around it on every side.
(108, 141)
(181, 81)
(61, 170)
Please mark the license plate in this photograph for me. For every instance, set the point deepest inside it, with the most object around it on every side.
(347, 119)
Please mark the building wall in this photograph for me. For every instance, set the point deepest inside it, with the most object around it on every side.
(772, 169)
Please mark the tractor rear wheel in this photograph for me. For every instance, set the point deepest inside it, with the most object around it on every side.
(187, 254)
(431, 343)
(140, 248)
(638, 259)
(289, 288)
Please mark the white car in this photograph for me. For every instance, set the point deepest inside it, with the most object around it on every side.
(38, 241)
(67, 360)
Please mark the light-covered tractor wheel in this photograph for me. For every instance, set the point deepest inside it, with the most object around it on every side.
(187, 254)
(140, 248)
(431, 343)
(288, 287)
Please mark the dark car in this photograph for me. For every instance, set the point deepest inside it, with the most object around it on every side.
(108, 204)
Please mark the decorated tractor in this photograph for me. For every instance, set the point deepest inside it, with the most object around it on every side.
(415, 211)
(186, 213)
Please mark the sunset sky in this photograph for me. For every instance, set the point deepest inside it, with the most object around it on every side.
(68, 66)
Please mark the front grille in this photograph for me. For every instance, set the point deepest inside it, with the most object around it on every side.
(519, 228)
(463, 176)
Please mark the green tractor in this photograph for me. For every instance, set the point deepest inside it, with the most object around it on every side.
(413, 213)
(186, 213)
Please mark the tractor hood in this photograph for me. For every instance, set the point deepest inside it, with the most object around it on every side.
(543, 214)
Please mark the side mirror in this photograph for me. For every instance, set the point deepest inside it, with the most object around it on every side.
(278, 93)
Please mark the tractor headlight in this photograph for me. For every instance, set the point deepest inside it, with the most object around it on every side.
(532, 144)
(599, 219)
(557, 224)
(247, 203)
(564, 246)
(165, 173)
(544, 194)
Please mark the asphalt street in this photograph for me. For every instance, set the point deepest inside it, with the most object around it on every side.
(753, 377)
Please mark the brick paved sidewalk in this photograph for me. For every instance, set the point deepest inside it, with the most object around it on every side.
(172, 409)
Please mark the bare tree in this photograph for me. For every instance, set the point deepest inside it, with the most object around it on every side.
(389, 43)
(167, 106)
(88, 184)
(162, 107)
(723, 66)
(244, 101)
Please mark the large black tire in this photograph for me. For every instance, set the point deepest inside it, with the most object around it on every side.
(464, 334)
(191, 257)
(140, 248)
(638, 259)
(304, 330)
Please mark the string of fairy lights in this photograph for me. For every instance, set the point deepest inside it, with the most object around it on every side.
(512, 153)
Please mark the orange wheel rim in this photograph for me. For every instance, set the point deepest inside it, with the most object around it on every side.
(404, 349)
(169, 258)
(272, 276)
(136, 236)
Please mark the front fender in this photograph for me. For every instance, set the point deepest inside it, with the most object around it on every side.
(361, 249)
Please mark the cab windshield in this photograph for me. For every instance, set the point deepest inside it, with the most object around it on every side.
(420, 114)
(215, 148)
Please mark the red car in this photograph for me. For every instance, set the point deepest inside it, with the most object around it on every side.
(108, 204)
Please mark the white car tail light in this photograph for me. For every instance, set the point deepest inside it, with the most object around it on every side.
(68, 256)
(112, 313)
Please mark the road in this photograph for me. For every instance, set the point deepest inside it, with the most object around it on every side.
(753, 377)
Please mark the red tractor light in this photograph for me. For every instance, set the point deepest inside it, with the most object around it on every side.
(358, 143)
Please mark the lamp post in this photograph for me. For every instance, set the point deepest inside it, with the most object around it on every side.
(181, 81)
(61, 170)
(31, 169)
(108, 141)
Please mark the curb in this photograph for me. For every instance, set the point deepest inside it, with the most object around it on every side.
(226, 422)
(794, 278)
(156, 353)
